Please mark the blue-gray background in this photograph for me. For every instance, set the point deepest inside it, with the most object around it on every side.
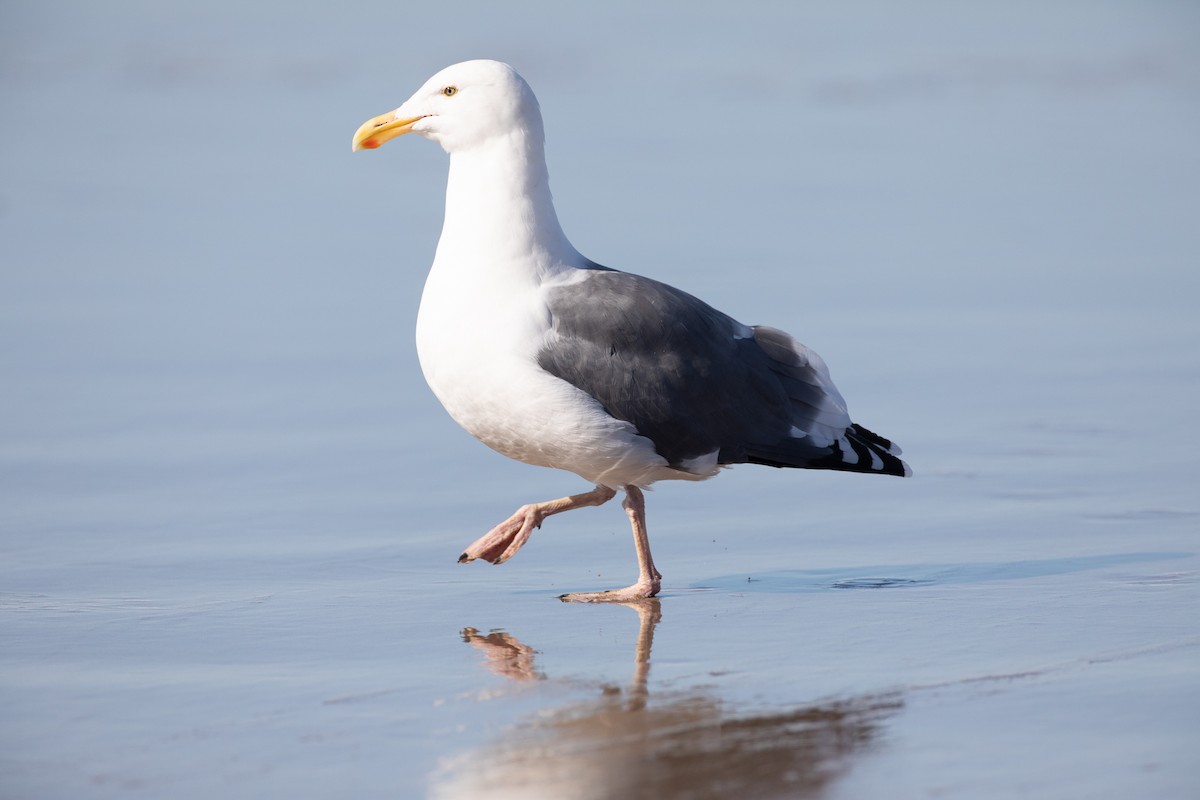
(229, 508)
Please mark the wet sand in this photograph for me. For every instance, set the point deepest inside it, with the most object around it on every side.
(230, 510)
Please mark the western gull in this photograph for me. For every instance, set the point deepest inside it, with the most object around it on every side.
(554, 360)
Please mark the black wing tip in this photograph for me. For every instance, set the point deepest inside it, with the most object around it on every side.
(859, 450)
(869, 447)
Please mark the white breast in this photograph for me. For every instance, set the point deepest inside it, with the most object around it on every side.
(478, 345)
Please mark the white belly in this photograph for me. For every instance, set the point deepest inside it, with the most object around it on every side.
(478, 348)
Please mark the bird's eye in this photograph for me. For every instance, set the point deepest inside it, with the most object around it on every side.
(450, 91)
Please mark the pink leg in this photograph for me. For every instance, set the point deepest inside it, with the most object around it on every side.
(649, 579)
(503, 541)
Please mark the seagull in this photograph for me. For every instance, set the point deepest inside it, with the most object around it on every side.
(552, 359)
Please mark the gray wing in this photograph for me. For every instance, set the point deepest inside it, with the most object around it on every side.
(695, 381)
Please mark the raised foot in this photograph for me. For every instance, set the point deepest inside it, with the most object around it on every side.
(503, 541)
(638, 591)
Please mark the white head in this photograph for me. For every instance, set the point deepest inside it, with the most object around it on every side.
(461, 107)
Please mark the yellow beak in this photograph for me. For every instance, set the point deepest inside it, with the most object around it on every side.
(375, 132)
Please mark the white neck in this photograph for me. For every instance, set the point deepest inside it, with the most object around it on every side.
(499, 211)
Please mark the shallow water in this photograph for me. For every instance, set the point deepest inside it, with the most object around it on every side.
(230, 510)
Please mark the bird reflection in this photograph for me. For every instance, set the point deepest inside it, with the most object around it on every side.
(673, 744)
(506, 655)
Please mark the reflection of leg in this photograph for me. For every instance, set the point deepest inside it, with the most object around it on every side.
(649, 579)
(506, 655)
(503, 541)
(649, 613)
